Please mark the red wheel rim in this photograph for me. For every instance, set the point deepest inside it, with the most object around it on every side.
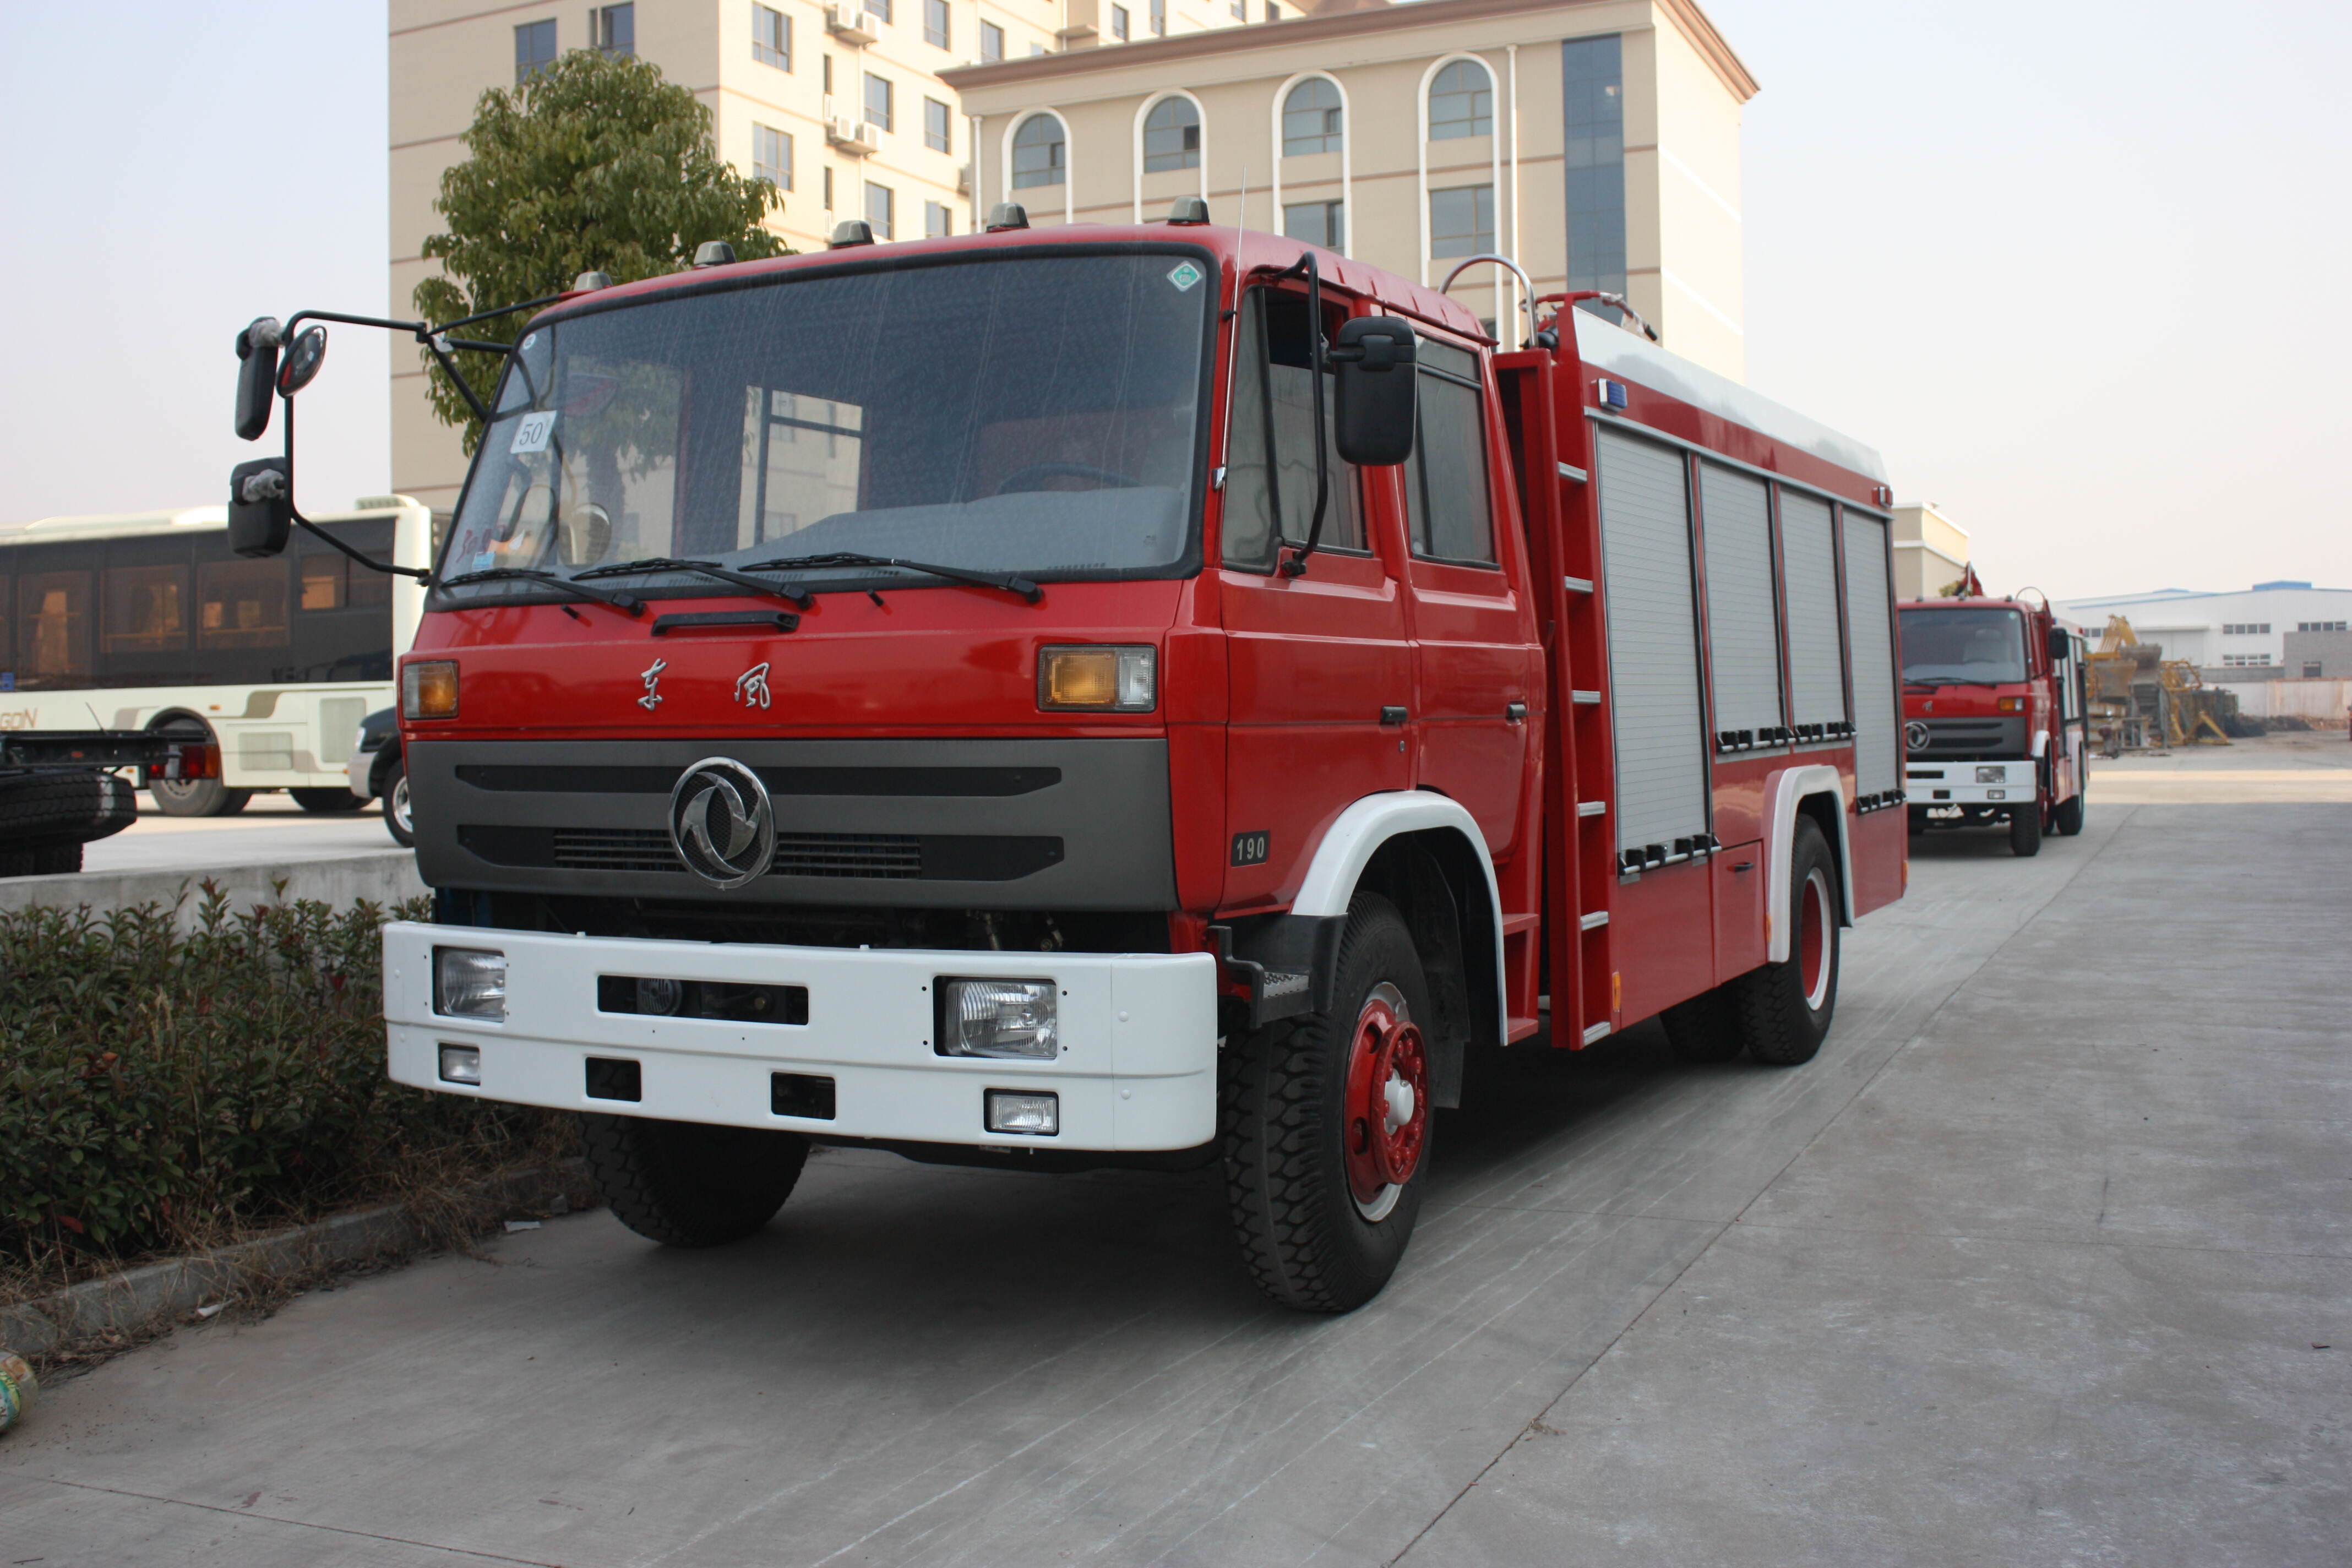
(1387, 1106)
(1813, 940)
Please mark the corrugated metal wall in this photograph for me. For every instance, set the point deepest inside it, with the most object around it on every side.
(1742, 611)
(1645, 543)
(1809, 558)
(1877, 761)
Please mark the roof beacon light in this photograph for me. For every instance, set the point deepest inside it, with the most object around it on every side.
(848, 232)
(1188, 210)
(713, 253)
(1007, 214)
(589, 282)
(1613, 395)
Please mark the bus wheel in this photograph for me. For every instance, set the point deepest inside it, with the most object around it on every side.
(1785, 1008)
(196, 798)
(2025, 831)
(332, 799)
(1326, 1124)
(686, 1184)
(2067, 820)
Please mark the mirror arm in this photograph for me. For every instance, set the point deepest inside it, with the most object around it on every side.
(438, 345)
(1293, 565)
(369, 562)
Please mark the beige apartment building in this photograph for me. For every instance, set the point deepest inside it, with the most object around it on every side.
(1931, 551)
(1596, 142)
(841, 104)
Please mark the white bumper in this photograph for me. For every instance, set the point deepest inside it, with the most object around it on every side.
(1969, 784)
(1139, 1033)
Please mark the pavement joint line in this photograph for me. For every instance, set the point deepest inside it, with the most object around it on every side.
(2000, 1240)
(299, 1523)
(1831, 1121)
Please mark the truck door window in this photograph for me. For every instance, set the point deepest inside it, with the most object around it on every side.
(1270, 453)
(1446, 500)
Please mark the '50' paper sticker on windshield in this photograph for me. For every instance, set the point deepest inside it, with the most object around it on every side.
(531, 432)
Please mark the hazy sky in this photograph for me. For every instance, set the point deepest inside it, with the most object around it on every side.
(2078, 270)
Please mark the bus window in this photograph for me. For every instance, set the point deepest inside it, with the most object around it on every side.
(241, 603)
(368, 589)
(323, 582)
(146, 609)
(52, 628)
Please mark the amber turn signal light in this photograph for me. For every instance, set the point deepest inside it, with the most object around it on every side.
(428, 689)
(2010, 704)
(1103, 679)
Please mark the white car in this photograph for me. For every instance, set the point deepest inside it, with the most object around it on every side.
(376, 770)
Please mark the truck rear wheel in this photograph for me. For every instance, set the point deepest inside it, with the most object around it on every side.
(1784, 1009)
(196, 798)
(2067, 820)
(2025, 831)
(1706, 1028)
(683, 1184)
(1326, 1124)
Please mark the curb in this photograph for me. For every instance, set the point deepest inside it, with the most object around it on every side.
(157, 1295)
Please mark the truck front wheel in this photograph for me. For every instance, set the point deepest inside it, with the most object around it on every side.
(1326, 1124)
(1784, 1009)
(686, 1184)
(2025, 831)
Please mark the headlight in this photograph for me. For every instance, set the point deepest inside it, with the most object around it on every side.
(998, 1019)
(469, 982)
(428, 689)
(1101, 679)
(1992, 775)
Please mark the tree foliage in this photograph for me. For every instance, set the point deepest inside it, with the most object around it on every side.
(594, 164)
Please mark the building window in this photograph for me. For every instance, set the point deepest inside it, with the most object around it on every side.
(936, 31)
(1171, 136)
(1448, 512)
(772, 37)
(1040, 156)
(1462, 102)
(772, 156)
(1311, 118)
(1593, 91)
(879, 9)
(1240, 9)
(828, 188)
(534, 49)
(612, 30)
(1119, 23)
(877, 101)
(2246, 629)
(2311, 669)
(1159, 17)
(2323, 625)
(992, 41)
(938, 220)
(1316, 222)
(938, 129)
(882, 210)
(1461, 221)
(1272, 10)
(2246, 660)
(1037, 51)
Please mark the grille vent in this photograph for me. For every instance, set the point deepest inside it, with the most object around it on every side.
(615, 849)
(864, 855)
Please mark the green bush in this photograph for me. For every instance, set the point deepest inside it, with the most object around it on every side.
(162, 1088)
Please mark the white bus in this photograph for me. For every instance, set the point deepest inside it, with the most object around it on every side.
(147, 621)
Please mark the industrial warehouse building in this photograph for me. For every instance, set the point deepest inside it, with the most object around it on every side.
(2269, 632)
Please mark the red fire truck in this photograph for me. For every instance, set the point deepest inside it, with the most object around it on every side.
(1996, 720)
(1134, 695)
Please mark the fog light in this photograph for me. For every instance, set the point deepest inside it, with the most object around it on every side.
(428, 689)
(469, 982)
(1996, 794)
(657, 994)
(1017, 1110)
(1121, 679)
(1991, 775)
(461, 1064)
(998, 1019)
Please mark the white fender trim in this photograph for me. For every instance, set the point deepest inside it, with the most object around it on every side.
(1790, 785)
(1352, 841)
(2040, 744)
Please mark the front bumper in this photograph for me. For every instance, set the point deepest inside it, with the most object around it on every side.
(1138, 1032)
(1969, 783)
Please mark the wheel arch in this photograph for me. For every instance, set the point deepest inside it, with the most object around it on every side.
(1817, 791)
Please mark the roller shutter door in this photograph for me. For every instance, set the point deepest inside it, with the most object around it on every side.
(1869, 611)
(1645, 545)
(1809, 558)
(1743, 621)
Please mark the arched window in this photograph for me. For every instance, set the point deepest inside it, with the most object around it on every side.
(1040, 156)
(1462, 101)
(1171, 136)
(1311, 118)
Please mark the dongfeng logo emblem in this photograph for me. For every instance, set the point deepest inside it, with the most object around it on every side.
(720, 821)
(1915, 735)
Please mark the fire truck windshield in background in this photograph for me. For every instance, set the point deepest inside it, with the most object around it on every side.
(1963, 648)
(1036, 413)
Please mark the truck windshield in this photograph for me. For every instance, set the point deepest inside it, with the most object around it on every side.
(1034, 413)
(1974, 647)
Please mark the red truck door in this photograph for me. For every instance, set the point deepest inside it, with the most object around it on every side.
(1471, 625)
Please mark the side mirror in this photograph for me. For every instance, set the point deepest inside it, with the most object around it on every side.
(303, 361)
(1373, 390)
(260, 506)
(257, 378)
(2060, 645)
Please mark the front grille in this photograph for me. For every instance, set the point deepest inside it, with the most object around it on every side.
(847, 855)
(615, 849)
(1960, 738)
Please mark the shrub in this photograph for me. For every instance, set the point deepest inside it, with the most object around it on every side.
(162, 1087)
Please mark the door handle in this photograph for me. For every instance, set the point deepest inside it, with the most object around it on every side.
(1744, 866)
(1515, 713)
(1392, 714)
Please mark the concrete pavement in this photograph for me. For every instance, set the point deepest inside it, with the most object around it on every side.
(2026, 1268)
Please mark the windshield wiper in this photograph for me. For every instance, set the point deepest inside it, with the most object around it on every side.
(800, 597)
(1011, 583)
(628, 602)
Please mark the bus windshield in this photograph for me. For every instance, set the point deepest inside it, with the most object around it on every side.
(1038, 414)
(1963, 648)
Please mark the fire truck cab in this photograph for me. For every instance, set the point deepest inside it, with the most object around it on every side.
(1150, 696)
(1996, 721)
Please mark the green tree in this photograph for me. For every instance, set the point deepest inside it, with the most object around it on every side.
(594, 164)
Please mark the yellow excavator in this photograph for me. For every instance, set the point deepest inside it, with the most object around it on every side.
(2140, 700)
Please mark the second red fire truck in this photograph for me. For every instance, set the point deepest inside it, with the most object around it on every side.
(1102, 696)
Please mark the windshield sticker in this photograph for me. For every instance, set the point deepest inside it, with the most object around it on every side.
(1184, 275)
(531, 432)
(530, 339)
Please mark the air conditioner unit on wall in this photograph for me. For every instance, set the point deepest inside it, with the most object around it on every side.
(851, 24)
